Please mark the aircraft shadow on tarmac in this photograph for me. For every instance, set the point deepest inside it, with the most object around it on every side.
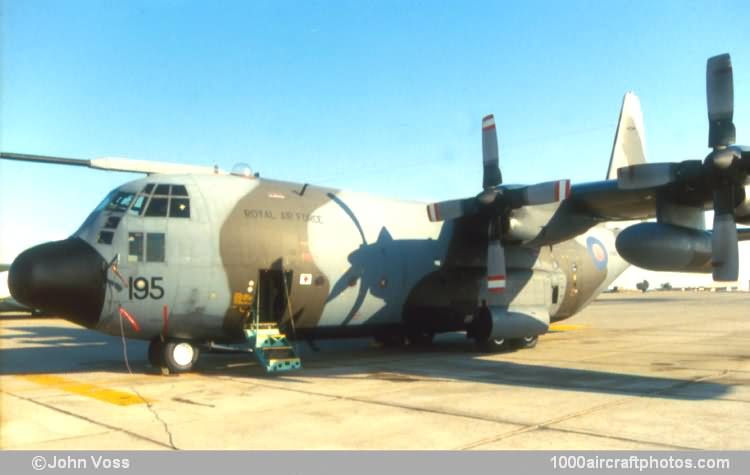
(76, 350)
(635, 300)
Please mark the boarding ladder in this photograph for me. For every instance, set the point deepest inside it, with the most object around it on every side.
(271, 347)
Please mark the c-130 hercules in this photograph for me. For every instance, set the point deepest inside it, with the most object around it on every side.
(190, 257)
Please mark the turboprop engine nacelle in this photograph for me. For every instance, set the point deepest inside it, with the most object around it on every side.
(665, 247)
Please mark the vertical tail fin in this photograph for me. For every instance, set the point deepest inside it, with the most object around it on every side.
(629, 145)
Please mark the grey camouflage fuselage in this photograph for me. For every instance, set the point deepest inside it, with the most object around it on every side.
(358, 264)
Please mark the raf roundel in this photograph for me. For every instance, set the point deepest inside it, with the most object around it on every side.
(598, 252)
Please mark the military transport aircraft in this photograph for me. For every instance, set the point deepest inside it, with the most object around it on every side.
(191, 257)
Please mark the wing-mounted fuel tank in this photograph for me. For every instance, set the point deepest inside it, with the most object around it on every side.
(665, 247)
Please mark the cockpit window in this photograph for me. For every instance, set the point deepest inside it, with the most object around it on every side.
(112, 222)
(105, 201)
(166, 200)
(138, 205)
(157, 207)
(120, 201)
(179, 208)
(105, 237)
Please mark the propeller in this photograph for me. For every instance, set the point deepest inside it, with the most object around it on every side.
(721, 134)
(497, 202)
(724, 170)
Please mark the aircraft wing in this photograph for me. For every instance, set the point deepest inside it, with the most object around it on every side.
(118, 164)
(604, 201)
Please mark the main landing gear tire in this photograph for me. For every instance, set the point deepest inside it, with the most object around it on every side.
(525, 342)
(179, 356)
(494, 345)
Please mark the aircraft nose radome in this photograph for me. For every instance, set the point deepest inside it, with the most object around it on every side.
(64, 277)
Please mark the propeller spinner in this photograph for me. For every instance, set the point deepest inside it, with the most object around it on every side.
(497, 203)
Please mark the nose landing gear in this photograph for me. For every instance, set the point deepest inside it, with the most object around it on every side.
(175, 355)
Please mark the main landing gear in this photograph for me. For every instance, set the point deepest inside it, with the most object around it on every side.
(480, 331)
(175, 355)
(501, 345)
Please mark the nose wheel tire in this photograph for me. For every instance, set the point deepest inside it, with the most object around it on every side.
(179, 356)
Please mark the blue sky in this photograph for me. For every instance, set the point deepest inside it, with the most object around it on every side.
(384, 97)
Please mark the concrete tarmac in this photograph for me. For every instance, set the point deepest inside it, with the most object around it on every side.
(662, 370)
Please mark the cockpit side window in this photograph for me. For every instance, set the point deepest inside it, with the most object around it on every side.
(153, 245)
(135, 247)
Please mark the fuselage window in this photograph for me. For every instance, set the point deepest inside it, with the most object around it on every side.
(157, 206)
(162, 190)
(105, 237)
(148, 188)
(179, 208)
(179, 190)
(155, 247)
(135, 247)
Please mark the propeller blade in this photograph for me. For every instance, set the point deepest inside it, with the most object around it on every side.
(495, 267)
(724, 251)
(720, 100)
(547, 192)
(491, 176)
(452, 209)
